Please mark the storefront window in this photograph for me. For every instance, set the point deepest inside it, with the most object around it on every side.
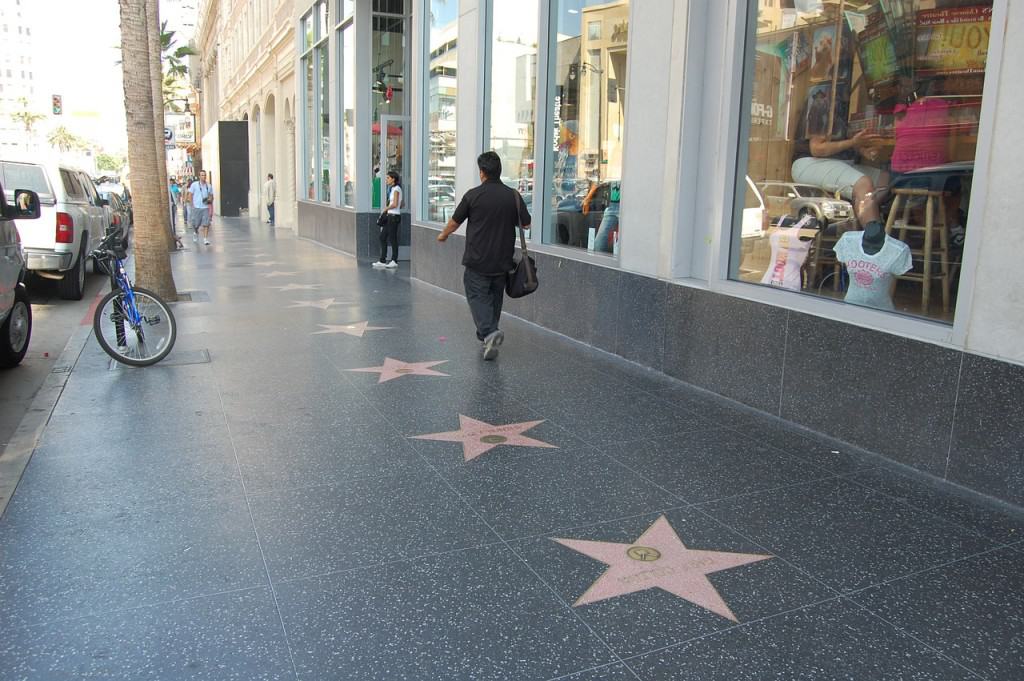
(513, 81)
(588, 117)
(315, 102)
(858, 155)
(309, 129)
(325, 127)
(442, 60)
(348, 106)
(345, 9)
(388, 130)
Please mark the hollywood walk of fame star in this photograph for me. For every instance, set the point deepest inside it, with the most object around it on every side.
(275, 273)
(357, 329)
(659, 559)
(394, 368)
(297, 287)
(266, 263)
(478, 437)
(321, 304)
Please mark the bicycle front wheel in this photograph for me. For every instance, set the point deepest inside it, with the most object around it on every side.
(136, 345)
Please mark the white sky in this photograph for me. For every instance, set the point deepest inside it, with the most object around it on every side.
(77, 47)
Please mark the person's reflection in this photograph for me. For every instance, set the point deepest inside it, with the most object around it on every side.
(828, 159)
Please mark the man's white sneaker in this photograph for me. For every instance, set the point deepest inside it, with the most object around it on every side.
(491, 343)
(195, 238)
(206, 242)
(392, 265)
(379, 265)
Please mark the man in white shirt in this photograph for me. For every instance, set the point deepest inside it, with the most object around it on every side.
(200, 196)
(269, 194)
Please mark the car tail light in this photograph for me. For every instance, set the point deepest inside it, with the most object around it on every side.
(117, 220)
(65, 229)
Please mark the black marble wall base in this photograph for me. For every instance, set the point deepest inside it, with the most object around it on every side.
(950, 414)
(346, 230)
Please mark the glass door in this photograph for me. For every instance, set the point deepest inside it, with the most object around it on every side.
(392, 155)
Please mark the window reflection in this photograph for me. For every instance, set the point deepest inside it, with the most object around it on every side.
(588, 119)
(441, 94)
(513, 87)
(861, 145)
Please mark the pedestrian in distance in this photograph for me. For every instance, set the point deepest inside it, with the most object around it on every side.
(269, 195)
(200, 196)
(393, 218)
(174, 198)
(494, 212)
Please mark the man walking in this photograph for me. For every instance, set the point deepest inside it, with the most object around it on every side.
(200, 196)
(269, 194)
(493, 211)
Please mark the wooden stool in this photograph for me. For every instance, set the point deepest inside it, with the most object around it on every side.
(929, 251)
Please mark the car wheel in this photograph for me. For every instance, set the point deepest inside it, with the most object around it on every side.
(16, 330)
(72, 286)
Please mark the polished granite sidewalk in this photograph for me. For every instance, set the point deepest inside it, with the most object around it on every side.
(325, 481)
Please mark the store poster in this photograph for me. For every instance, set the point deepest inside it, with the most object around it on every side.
(952, 41)
(823, 50)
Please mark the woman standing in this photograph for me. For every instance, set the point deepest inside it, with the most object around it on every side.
(389, 231)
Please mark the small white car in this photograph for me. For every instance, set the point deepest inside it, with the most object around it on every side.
(15, 310)
(73, 222)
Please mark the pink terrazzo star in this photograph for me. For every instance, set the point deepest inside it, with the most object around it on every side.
(478, 437)
(394, 368)
(659, 559)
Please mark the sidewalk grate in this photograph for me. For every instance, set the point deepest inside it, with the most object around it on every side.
(175, 359)
(193, 297)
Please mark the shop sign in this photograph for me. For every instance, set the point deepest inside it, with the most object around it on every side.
(953, 41)
(183, 125)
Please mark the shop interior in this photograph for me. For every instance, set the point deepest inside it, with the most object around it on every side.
(863, 134)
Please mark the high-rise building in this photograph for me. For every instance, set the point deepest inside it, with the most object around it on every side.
(19, 87)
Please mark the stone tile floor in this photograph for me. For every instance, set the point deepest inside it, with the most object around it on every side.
(271, 513)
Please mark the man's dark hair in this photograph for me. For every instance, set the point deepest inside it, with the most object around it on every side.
(270, 176)
(489, 164)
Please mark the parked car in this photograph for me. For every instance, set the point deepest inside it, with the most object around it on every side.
(15, 310)
(120, 216)
(74, 220)
(582, 210)
(114, 186)
(755, 212)
(789, 198)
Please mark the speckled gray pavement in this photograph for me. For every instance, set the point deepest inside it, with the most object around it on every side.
(252, 508)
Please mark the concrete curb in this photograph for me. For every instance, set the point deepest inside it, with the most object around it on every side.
(19, 449)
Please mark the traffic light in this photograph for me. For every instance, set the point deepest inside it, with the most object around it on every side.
(58, 105)
(389, 94)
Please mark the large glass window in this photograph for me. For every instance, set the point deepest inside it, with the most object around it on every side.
(513, 81)
(309, 128)
(857, 156)
(316, 103)
(325, 127)
(588, 117)
(387, 133)
(347, 50)
(442, 79)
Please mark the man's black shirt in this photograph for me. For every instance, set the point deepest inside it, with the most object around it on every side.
(494, 210)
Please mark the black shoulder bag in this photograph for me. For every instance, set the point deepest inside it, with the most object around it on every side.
(522, 280)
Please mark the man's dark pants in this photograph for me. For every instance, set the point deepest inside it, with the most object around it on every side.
(270, 212)
(485, 294)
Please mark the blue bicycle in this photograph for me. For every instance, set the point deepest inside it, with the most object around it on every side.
(132, 324)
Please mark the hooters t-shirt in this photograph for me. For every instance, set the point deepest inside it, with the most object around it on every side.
(871, 275)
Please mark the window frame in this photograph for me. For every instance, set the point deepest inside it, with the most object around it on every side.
(726, 154)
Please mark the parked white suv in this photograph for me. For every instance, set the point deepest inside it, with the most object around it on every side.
(73, 221)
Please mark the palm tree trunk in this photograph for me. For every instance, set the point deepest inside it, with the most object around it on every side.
(152, 260)
(157, 78)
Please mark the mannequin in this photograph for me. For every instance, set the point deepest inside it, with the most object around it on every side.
(874, 237)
